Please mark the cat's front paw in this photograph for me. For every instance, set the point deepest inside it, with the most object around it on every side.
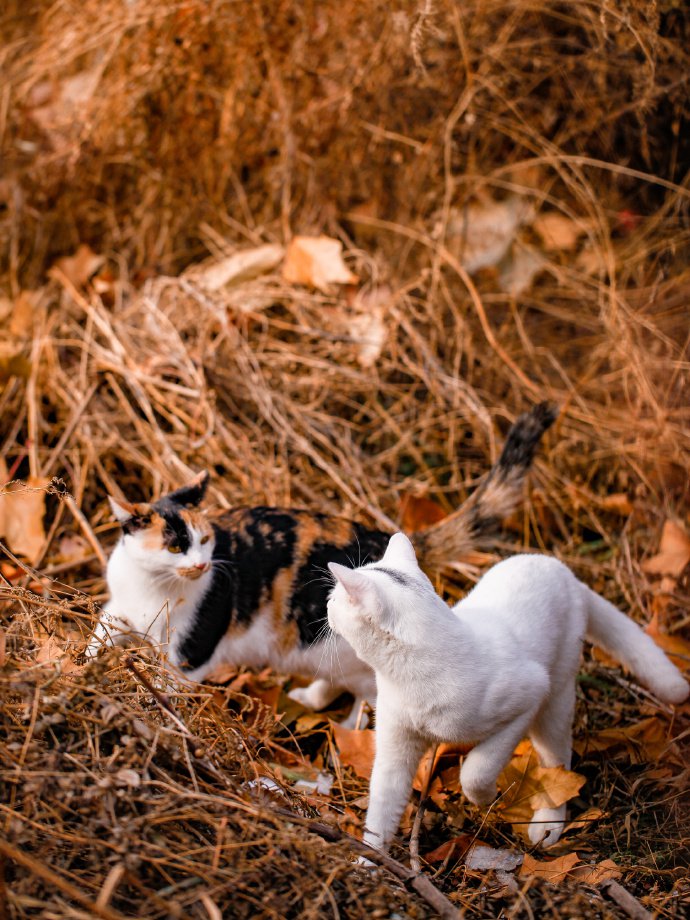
(546, 826)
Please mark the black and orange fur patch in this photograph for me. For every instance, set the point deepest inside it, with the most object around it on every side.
(275, 556)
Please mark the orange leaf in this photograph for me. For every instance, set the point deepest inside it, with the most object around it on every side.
(22, 506)
(618, 503)
(558, 232)
(50, 650)
(316, 261)
(455, 848)
(645, 742)
(595, 875)
(585, 820)
(417, 512)
(553, 870)
(356, 748)
(674, 552)
(527, 786)
(81, 266)
(446, 759)
(222, 673)
(23, 313)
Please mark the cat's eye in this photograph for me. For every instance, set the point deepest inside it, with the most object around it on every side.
(204, 540)
(174, 548)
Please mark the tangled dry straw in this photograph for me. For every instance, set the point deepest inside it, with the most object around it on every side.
(158, 133)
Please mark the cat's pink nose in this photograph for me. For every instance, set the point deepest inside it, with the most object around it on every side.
(202, 566)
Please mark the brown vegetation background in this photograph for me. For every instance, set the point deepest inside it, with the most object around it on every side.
(509, 184)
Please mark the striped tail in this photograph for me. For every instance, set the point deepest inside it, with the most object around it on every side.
(496, 497)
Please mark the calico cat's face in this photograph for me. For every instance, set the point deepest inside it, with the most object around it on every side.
(382, 601)
(169, 537)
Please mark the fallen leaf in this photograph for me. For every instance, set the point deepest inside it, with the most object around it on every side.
(591, 260)
(241, 266)
(645, 742)
(519, 269)
(674, 551)
(595, 875)
(455, 848)
(552, 870)
(310, 720)
(480, 234)
(618, 503)
(50, 650)
(445, 760)
(268, 695)
(79, 267)
(23, 313)
(418, 512)
(3, 647)
(13, 363)
(355, 748)
(558, 232)
(22, 507)
(585, 820)
(222, 673)
(527, 786)
(367, 323)
(316, 261)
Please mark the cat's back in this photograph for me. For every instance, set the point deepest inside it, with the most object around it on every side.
(528, 585)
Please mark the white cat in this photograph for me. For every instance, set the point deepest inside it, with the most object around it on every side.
(498, 666)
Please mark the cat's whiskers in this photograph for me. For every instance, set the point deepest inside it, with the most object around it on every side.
(322, 631)
(224, 567)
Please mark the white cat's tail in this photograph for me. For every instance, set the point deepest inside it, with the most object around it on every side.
(621, 637)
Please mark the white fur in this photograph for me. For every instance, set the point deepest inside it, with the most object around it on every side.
(498, 666)
(149, 597)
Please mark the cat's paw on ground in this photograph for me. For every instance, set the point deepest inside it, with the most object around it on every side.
(546, 826)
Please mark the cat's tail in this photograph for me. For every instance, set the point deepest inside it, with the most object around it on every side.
(496, 497)
(621, 637)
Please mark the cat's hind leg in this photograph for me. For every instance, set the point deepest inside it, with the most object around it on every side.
(551, 737)
(484, 762)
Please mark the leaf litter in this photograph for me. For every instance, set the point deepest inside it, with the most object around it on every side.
(141, 359)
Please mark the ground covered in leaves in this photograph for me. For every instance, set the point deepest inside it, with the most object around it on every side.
(329, 252)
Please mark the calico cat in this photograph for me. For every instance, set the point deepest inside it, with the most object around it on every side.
(499, 665)
(249, 586)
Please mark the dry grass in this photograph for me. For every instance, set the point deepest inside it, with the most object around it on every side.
(204, 127)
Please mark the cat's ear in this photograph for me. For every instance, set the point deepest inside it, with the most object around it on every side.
(128, 511)
(192, 493)
(400, 551)
(355, 583)
(123, 511)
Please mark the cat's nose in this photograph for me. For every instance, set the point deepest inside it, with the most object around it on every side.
(202, 566)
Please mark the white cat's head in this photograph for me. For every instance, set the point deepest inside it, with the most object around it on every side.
(387, 600)
(169, 537)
